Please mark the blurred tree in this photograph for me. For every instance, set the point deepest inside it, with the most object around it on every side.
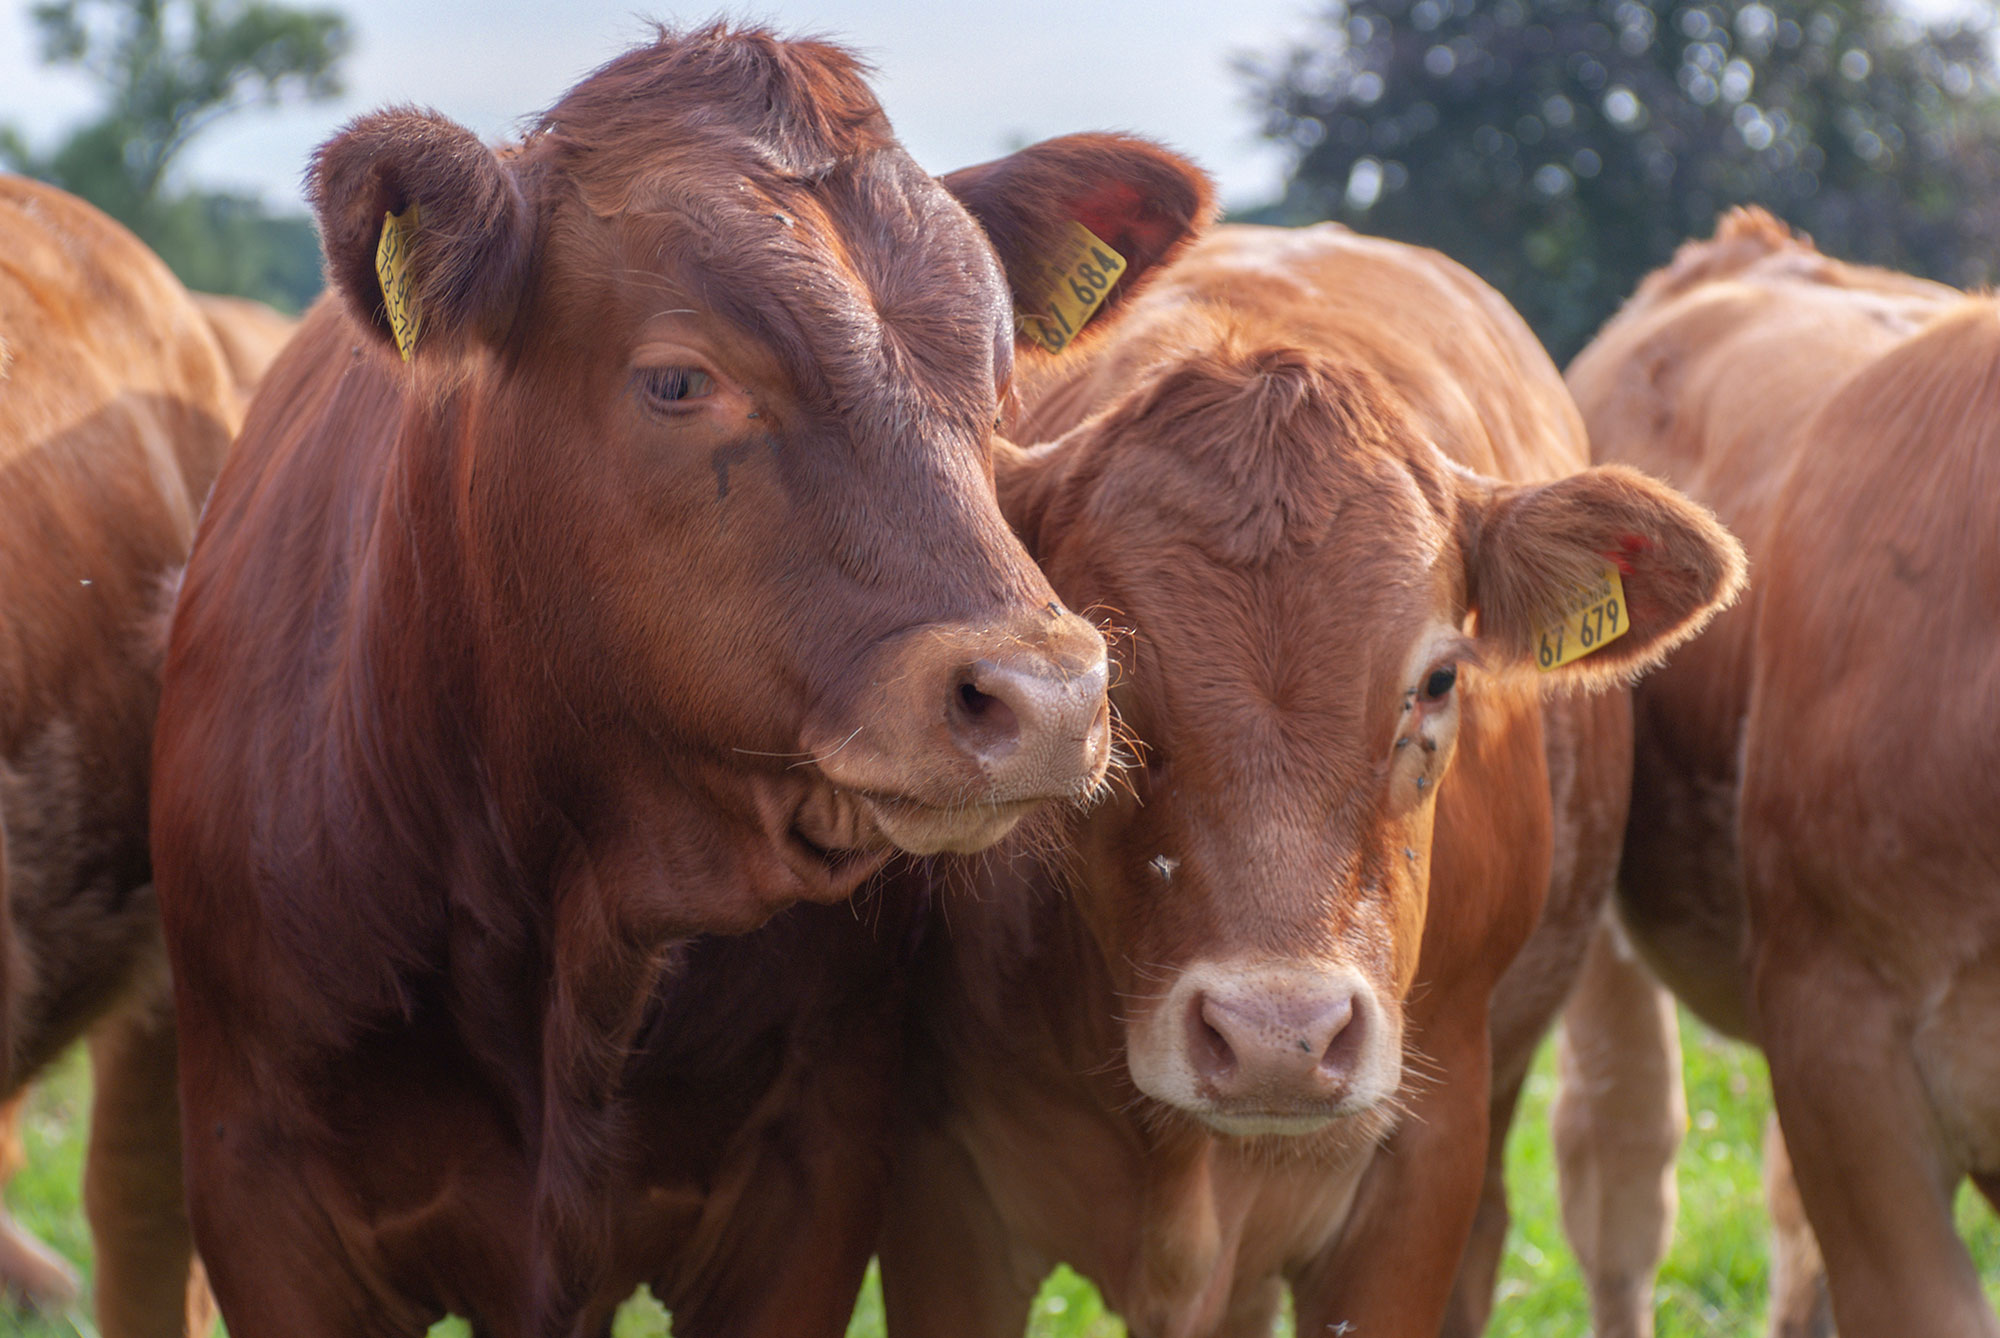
(1562, 148)
(169, 69)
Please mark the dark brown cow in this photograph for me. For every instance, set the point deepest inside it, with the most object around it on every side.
(1813, 861)
(1234, 1030)
(115, 412)
(662, 588)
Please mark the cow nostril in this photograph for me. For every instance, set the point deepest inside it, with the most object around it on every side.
(986, 723)
(1213, 1057)
(1342, 1051)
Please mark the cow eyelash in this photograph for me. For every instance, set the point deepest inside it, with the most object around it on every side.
(1439, 682)
(673, 386)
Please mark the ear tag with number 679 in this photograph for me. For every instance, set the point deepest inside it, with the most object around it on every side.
(399, 284)
(1592, 615)
(1075, 280)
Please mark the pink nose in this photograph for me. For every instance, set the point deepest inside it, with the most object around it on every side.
(1034, 723)
(1277, 1047)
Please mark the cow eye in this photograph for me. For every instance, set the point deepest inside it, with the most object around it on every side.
(1440, 682)
(674, 385)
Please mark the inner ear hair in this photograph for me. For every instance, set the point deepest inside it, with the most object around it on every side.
(1142, 200)
(1533, 545)
(469, 254)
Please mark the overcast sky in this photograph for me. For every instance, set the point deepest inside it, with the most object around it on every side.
(962, 82)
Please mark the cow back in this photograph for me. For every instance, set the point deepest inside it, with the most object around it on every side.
(1709, 378)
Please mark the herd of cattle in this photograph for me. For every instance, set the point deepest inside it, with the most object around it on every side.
(478, 875)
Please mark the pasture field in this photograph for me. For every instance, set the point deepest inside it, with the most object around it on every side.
(1712, 1286)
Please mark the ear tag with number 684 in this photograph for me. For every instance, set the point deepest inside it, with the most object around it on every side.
(1075, 280)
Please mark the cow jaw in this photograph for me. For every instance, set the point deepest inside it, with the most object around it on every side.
(832, 821)
(1268, 1048)
(825, 838)
(923, 830)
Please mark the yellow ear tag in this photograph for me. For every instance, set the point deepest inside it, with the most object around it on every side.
(1075, 280)
(1594, 615)
(399, 287)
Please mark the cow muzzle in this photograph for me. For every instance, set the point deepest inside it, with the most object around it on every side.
(1268, 1049)
(962, 732)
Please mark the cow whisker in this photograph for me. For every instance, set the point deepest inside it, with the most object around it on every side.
(836, 748)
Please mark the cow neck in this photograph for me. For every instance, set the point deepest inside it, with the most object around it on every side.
(1031, 1019)
(443, 666)
(586, 822)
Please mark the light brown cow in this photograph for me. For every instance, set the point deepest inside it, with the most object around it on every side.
(1813, 860)
(115, 411)
(1232, 1031)
(610, 562)
(250, 334)
(126, 1061)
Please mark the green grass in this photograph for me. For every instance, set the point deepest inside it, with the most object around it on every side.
(1712, 1285)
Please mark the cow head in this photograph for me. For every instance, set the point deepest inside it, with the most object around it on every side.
(1322, 609)
(708, 371)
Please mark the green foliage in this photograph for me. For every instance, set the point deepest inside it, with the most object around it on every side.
(170, 68)
(167, 70)
(1562, 148)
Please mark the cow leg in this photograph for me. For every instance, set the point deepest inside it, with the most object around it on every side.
(12, 977)
(1390, 1272)
(1800, 1306)
(1619, 1117)
(1875, 1184)
(950, 1267)
(281, 1269)
(31, 1274)
(796, 1257)
(282, 1259)
(1253, 1311)
(132, 1183)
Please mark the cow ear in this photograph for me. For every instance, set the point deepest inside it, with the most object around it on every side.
(1541, 560)
(1140, 202)
(464, 232)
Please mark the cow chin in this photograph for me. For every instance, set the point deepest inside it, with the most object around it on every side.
(1263, 1126)
(1232, 1121)
(832, 819)
(923, 830)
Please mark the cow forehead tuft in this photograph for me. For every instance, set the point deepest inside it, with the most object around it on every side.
(1261, 450)
(781, 191)
(873, 287)
(800, 106)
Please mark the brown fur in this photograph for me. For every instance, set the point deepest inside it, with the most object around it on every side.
(1302, 459)
(498, 687)
(117, 411)
(1810, 862)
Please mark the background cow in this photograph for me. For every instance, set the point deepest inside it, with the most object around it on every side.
(116, 409)
(613, 560)
(131, 1064)
(249, 333)
(1232, 1030)
(1811, 862)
